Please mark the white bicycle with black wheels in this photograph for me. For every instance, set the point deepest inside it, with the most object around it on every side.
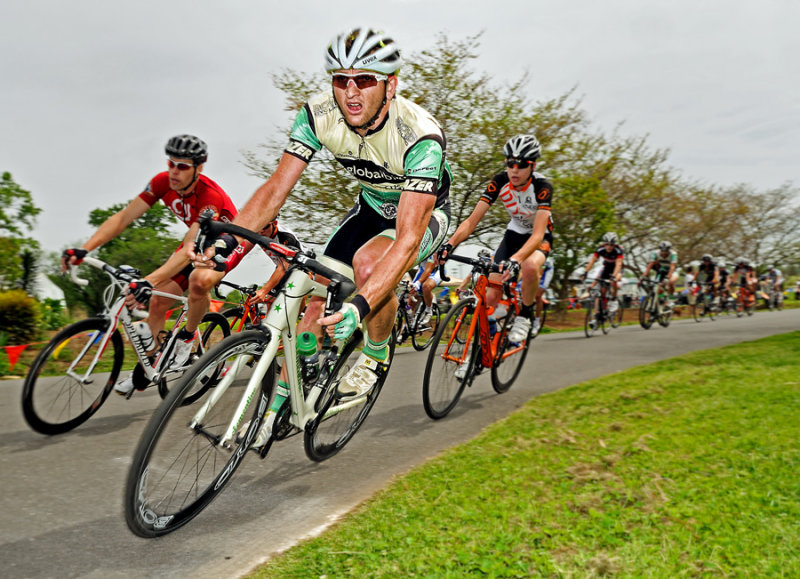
(74, 373)
(188, 452)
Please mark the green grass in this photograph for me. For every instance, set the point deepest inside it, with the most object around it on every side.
(683, 468)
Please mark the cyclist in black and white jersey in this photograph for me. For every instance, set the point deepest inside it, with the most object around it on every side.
(708, 273)
(612, 255)
(396, 151)
(775, 277)
(528, 238)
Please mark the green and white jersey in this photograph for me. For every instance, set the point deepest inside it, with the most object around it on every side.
(663, 263)
(405, 153)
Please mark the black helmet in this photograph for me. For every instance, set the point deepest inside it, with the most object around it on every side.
(524, 147)
(187, 147)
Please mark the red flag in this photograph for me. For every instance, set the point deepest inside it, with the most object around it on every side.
(215, 305)
(13, 354)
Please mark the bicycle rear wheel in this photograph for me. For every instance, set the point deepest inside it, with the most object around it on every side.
(422, 334)
(213, 328)
(338, 419)
(441, 387)
(58, 395)
(510, 357)
(179, 466)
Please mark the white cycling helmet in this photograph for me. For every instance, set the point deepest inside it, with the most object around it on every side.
(524, 147)
(610, 237)
(363, 49)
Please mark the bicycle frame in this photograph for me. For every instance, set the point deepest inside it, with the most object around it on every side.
(117, 313)
(279, 321)
(488, 343)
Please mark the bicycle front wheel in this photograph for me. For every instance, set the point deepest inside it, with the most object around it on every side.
(616, 317)
(422, 335)
(183, 460)
(338, 419)
(450, 362)
(647, 306)
(510, 357)
(72, 377)
(213, 329)
(590, 323)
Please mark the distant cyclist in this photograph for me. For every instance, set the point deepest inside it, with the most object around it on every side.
(187, 193)
(528, 238)
(724, 279)
(426, 278)
(611, 254)
(775, 277)
(664, 261)
(744, 275)
(708, 273)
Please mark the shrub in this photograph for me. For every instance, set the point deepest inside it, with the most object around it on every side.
(54, 316)
(19, 316)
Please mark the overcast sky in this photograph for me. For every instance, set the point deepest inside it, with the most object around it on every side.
(92, 89)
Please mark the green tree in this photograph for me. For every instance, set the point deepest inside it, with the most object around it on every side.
(18, 215)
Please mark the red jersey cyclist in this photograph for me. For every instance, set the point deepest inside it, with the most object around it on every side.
(527, 241)
(187, 193)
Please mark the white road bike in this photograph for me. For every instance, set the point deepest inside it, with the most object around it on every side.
(74, 373)
(188, 452)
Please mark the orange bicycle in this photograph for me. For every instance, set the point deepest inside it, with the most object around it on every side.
(473, 337)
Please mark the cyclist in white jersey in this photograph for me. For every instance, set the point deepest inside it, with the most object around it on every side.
(425, 280)
(528, 238)
(396, 151)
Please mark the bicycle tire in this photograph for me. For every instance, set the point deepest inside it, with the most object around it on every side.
(664, 317)
(616, 317)
(510, 357)
(441, 389)
(711, 312)
(588, 328)
(422, 338)
(213, 328)
(178, 469)
(543, 321)
(332, 429)
(700, 309)
(54, 405)
(647, 305)
(605, 320)
(234, 317)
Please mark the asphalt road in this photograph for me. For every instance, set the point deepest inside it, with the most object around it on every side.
(61, 512)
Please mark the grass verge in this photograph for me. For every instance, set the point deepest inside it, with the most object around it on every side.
(686, 467)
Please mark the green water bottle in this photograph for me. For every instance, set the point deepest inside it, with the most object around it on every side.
(309, 357)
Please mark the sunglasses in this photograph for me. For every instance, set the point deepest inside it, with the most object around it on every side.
(180, 166)
(362, 80)
(520, 163)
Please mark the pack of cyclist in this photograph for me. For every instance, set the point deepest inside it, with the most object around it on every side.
(396, 151)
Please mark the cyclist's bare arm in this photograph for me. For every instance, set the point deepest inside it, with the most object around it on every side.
(176, 262)
(113, 226)
(467, 226)
(268, 199)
